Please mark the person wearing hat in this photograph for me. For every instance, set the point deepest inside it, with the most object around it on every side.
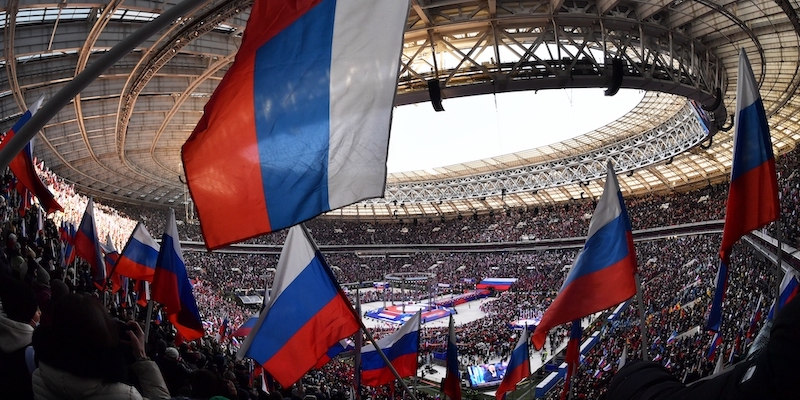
(17, 322)
(175, 372)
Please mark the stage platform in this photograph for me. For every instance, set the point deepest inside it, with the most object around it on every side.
(399, 314)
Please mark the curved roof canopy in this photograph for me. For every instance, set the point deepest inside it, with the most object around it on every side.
(120, 138)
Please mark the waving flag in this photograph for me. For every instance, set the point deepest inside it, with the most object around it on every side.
(401, 348)
(87, 245)
(342, 346)
(451, 385)
(68, 246)
(171, 286)
(519, 367)
(111, 257)
(603, 273)
(299, 125)
(573, 356)
(307, 313)
(246, 327)
(753, 194)
(138, 258)
(720, 287)
(22, 165)
(789, 288)
(755, 319)
(716, 340)
(142, 293)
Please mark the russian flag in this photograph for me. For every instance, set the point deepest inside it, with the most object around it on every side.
(401, 348)
(451, 385)
(753, 194)
(138, 258)
(573, 355)
(111, 258)
(338, 348)
(171, 286)
(519, 366)
(789, 288)
(300, 123)
(142, 293)
(22, 165)
(720, 288)
(87, 245)
(246, 327)
(603, 273)
(716, 340)
(755, 318)
(307, 313)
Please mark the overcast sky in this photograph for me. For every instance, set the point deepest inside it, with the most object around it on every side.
(477, 127)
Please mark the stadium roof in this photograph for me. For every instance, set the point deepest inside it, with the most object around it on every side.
(121, 138)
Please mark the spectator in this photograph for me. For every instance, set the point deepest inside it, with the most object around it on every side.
(175, 372)
(16, 332)
(80, 356)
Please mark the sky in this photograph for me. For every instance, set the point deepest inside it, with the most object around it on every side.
(477, 127)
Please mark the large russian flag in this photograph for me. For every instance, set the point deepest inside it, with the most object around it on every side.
(519, 366)
(401, 348)
(138, 258)
(603, 273)
(171, 286)
(300, 123)
(451, 385)
(753, 195)
(307, 313)
(22, 164)
(87, 245)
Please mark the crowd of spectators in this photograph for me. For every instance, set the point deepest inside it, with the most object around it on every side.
(677, 276)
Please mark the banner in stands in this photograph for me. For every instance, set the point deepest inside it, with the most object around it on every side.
(499, 284)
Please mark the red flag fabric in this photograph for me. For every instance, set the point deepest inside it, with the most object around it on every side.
(22, 166)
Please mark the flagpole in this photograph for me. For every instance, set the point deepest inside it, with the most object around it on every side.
(88, 75)
(642, 324)
(779, 257)
(358, 318)
(357, 356)
(147, 319)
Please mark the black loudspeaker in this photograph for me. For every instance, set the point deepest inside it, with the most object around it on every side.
(616, 77)
(436, 94)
